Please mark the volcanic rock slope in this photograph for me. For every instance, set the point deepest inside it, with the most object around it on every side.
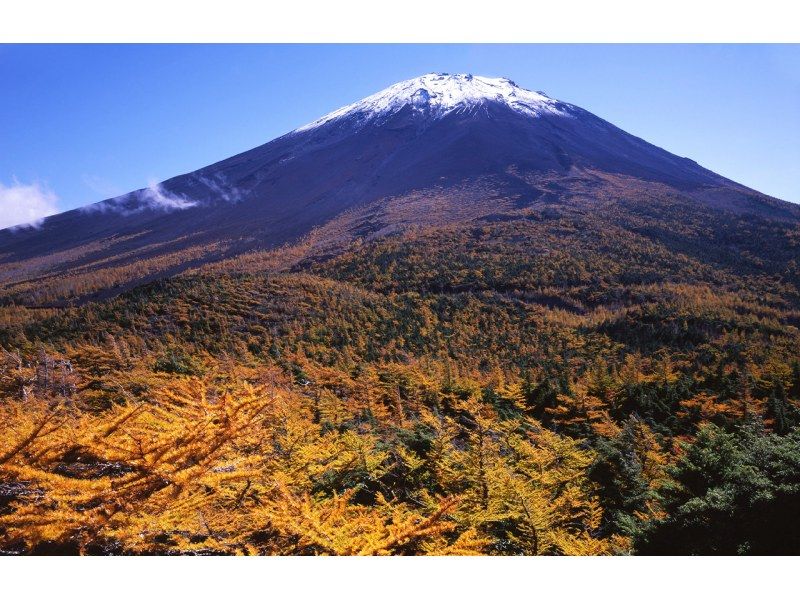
(437, 150)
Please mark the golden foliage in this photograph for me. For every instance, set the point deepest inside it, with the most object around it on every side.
(221, 465)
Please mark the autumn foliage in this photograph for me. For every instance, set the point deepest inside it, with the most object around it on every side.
(223, 464)
(556, 381)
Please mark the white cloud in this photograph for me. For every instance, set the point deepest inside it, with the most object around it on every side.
(158, 198)
(220, 187)
(25, 205)
(153, 197)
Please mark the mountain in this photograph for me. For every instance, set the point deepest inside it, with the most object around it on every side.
(456, 317)
(435, 149)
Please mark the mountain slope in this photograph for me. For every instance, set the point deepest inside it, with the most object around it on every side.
(455, 317)
(462, 143)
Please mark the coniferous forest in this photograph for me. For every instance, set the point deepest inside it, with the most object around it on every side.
(558, 381)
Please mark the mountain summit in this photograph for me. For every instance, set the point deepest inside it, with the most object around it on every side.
(438, 94)
(435, 149)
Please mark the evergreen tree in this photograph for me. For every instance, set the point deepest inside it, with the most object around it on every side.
(730, 493)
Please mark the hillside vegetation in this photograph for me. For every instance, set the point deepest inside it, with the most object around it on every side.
(554, 378)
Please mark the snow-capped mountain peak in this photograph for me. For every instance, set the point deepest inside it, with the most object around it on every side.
(438, 94)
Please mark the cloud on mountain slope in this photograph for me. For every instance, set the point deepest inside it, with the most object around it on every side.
(26, 205)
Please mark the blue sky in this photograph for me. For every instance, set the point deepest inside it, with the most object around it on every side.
(81, 123)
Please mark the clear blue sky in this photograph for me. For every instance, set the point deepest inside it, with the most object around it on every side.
(83, 122)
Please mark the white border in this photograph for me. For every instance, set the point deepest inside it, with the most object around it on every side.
(390, 577)
(401, 21)
(398, 21)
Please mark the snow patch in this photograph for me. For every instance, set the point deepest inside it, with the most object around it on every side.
(440, 94)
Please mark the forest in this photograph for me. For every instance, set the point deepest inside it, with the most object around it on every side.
(559, 382)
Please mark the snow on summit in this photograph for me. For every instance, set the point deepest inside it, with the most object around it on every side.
(439, 94)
